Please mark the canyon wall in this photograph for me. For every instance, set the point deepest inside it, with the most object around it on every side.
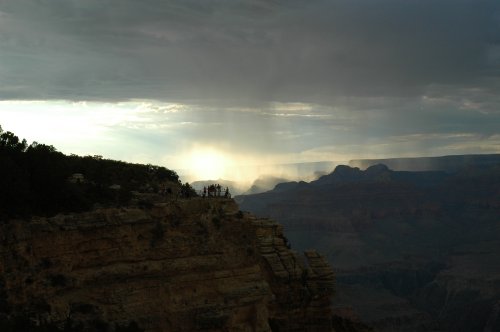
(413, 251)
(179, 265)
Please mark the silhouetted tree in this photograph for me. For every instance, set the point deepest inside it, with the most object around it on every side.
(34, 179)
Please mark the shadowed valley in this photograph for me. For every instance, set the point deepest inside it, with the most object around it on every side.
(414, 251)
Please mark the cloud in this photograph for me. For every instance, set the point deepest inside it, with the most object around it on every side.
(243, 52)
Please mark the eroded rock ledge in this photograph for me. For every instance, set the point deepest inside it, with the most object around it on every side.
(183, 265)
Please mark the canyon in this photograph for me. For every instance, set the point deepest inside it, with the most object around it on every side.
(412, 251)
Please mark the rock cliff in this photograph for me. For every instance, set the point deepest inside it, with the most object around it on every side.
(180, 265)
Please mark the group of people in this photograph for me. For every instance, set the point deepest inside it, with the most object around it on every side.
(215, 190)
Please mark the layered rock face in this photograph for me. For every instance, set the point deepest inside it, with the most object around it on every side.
(184, 265)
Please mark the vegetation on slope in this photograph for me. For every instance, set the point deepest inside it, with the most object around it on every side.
(35, 179)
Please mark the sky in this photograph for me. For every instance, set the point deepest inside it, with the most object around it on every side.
(212, 87)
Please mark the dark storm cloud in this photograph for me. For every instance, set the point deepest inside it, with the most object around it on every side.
(246, 52)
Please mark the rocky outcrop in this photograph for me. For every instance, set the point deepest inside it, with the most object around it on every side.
(184, 265)
(297, 284)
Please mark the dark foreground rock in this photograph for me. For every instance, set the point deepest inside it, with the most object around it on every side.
(184, 265)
